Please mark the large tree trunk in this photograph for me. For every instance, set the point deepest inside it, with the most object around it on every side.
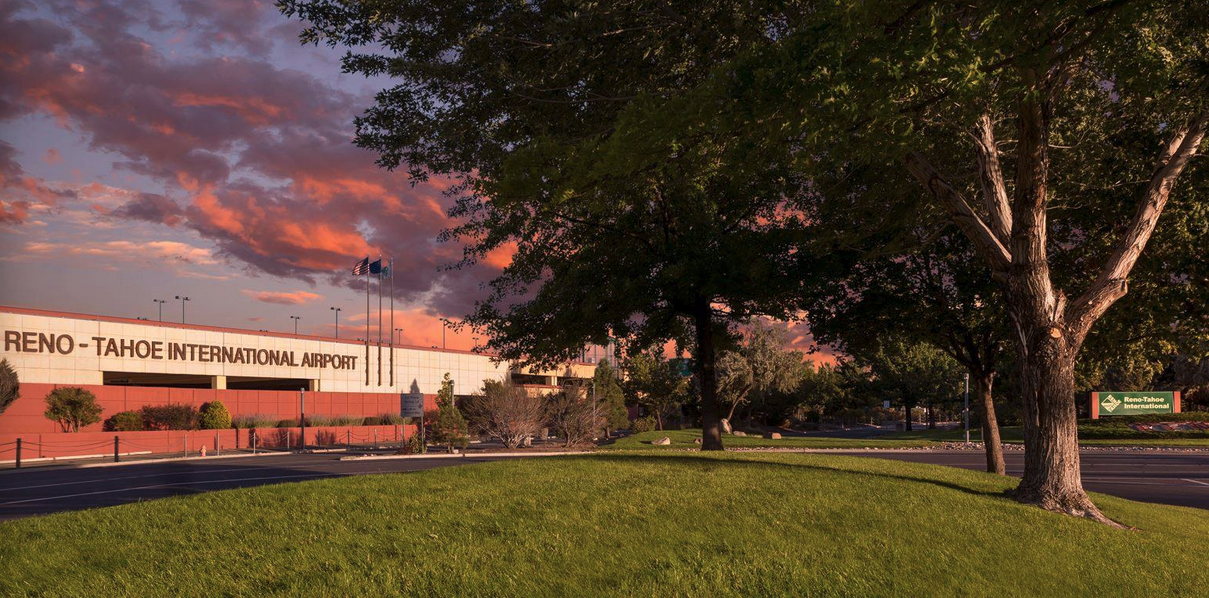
(907, 407)
(711, 424)
(981, 385)
(1051, 445)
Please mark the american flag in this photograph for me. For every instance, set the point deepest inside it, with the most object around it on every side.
(362, 267)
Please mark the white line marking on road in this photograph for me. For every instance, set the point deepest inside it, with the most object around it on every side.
(156, 486)
(1196, 481)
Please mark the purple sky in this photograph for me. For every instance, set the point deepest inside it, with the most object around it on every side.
(194, 147)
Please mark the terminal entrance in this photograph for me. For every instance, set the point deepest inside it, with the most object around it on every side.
(195, 381)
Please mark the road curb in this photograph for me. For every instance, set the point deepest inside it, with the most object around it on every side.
(463, 455)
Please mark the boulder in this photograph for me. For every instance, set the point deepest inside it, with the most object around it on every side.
(696, 441)
(726, 429)
(739, 433)
(662, 441)
(772, 435)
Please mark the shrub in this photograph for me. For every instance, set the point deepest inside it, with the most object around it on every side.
(348, 420)
(414, 445)
(170, 417)
(505, 412)
(254, 421)
(390, 419)
(450, 427)
(318, 421)
(287, 423)
(124, 421)
(73, 408)
(645, 424)
(214, 416)
(10, 385)
(573, 417)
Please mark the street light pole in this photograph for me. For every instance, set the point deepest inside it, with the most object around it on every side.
(395, 338)
(968, 410)
(337, 310)
(183, 300)
(159, 303)
(295, 319)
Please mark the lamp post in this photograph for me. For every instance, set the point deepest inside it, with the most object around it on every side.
(337, 310)
(159, 303)
(183, 299)
(443, 323)
(967, 410)
(295, 319)
(395, 338)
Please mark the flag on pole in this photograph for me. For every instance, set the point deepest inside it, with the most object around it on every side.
(362, 267)
(375, 267)
(386, 271)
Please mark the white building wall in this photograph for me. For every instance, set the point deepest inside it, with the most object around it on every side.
(82, 365)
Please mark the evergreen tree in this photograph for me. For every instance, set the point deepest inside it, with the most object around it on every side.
(450, 428)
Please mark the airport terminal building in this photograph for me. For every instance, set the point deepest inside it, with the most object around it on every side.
(130, 363)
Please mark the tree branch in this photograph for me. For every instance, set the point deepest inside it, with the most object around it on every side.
(1112, 283)
(990, 174)
(985, 242)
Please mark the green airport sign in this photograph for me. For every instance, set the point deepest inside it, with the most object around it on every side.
(1134, 402)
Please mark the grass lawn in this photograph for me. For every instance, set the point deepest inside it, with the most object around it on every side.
(618, 523)
(685, 439)
(1016, 434)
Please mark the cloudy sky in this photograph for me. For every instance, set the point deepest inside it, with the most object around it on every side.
(194, 147)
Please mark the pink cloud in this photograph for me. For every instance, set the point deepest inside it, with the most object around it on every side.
(282, 298)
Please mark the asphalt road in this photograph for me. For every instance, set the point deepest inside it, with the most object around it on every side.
(49, 489)
(1167, 478)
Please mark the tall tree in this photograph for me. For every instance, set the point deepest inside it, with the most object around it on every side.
(760, 364)
(912, 372)
(641, 236)
(610, 397)
(1047, 105)
(936, 293)
(651, 384)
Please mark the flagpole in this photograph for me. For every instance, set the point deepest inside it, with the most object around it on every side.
(379, 320)
(392, 322)
(367, 320)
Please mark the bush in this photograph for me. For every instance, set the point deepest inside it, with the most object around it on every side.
(386, 419)
(73, 408)
(573, 417)
(170, 417)
(214, 416)
(246, 422)
(505, 412)
(450, 427)
(124, 421)
(644, 424)
(10, 385)
(287, 423)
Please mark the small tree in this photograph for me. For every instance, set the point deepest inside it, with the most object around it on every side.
(124, 421)
(610, 399)
(10, 385)
(571, 415)
(214, 416)
(758, 366)
(450, 427)
(73, 408)
(505, 412)
(651, 384)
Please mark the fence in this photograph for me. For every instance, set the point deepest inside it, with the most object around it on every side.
(16, 448)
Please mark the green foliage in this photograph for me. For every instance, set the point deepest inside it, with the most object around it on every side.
(759, 366)
(335, 420)
(450, 427)
(247, 422)
(645, 424)
(73, 408)
(123, 421)
(610, 396)
(913, 373)
(651, 384)
(214, 416)
(171, 417)
(10, 385)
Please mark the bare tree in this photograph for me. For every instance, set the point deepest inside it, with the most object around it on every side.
(505, 412)
(572, 414)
